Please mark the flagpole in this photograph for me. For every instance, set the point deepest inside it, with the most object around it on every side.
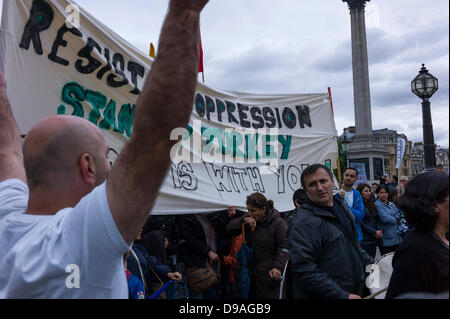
(200, 58)
(338, 162)
(152, 51)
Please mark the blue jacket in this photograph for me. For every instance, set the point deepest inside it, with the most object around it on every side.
(358, 211)
(135, 286)
(388, 222)
(147, 263)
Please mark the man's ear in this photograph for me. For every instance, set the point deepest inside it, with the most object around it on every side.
(436, 208)
(87, 169)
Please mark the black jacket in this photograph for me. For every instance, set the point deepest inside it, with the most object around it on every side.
(326, 259)
(194, 250)
(420, 264)
(369, 227)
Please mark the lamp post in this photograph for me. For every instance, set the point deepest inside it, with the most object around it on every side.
(424, 86)
(344, 149)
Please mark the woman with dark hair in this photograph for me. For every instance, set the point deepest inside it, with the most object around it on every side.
(369, 225)
(387, 216)
(266, 233)
(420, 264)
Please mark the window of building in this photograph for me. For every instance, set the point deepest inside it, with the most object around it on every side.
(386, 162)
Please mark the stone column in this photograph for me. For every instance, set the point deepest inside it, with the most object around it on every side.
(361, 88)
(363, 147)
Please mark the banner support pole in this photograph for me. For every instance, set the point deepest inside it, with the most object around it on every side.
(338, 162)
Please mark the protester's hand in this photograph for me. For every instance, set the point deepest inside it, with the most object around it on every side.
(175, 276)
(275, 274)
(213, 256)
(231, 211)
(184, 5)
(379, 234)
(342, 193)
(251, 221)
(166, 242)
(352, 296)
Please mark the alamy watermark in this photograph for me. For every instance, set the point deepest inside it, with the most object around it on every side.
(372, 16)
(73, 16)
(73, 279)
(229, 145)
(373, 279)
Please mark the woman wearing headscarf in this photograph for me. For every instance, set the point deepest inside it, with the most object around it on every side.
(421, 263)
(265, 232)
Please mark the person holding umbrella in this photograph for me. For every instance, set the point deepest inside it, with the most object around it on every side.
(265, 233)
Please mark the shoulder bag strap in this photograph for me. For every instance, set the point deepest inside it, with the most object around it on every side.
(140, 270)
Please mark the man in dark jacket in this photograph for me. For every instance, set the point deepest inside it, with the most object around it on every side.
(327, 261)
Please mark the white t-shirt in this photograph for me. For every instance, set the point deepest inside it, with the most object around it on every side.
(349, 198)
(77, 253)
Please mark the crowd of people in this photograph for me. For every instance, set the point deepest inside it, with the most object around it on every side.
(71, 226)
(312, 251)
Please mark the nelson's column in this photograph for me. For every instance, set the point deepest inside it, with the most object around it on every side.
(363, 148)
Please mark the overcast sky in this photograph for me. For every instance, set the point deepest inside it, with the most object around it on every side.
(299, 46)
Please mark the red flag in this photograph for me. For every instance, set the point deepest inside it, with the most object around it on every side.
(200, 58)
(200, 61)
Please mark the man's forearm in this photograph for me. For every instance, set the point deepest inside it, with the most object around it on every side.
(9, 133)
(11, 157)
(167, 99)
(165, 103)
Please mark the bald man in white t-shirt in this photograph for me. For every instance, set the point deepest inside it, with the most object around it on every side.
(66, 219)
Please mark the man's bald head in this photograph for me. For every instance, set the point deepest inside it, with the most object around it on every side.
(53, 149)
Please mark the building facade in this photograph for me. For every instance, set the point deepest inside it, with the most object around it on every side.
(389, 140)
(418, 162)
(442, 158)
(413, 162)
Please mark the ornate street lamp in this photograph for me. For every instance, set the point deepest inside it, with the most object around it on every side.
(424, 86)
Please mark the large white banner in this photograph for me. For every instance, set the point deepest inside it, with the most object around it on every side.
(58, 60)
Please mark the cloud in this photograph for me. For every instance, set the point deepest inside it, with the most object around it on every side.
(407, 119)
(338, 59)
(257, 46)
